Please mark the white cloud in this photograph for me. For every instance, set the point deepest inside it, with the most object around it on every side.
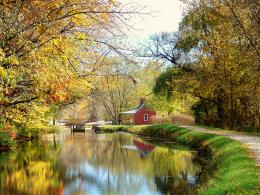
(166, 15)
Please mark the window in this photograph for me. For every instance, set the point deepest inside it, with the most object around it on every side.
(146, 117)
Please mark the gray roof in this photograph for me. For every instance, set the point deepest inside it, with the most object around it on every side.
(142, 105)
(129, 112)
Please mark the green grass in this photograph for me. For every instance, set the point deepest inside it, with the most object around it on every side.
(52, 129)
(209, 127)
(235, 171)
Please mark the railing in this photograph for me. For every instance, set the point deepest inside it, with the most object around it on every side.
(99, 123)
(80, 126)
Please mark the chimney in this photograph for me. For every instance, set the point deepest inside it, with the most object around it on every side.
(142, 100)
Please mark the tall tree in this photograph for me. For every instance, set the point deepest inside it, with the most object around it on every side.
(48, 49)
(220, 42)
(116, 88)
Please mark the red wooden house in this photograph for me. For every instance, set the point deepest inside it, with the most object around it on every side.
(139, 116)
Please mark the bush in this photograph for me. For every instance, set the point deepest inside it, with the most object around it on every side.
(32, 132)
(157, 119)
(7, 135)
(176, 119)
(5, 139)
(182, 119)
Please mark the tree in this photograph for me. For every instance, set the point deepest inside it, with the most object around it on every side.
(228, 62)
(218, 42)
(115, 89)
(48, 49)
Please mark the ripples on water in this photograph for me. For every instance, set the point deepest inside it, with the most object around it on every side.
(97, 164)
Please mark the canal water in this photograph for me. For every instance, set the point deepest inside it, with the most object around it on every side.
(99, 164)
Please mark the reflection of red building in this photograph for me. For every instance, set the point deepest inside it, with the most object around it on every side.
(58, 191)
(144, 148)
(139, 116)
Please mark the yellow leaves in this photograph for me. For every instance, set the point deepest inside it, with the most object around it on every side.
(53, 40)
(34, 117)
(81, 36)
(56, 42)
(2, 54)
(81, 20)
(112, 1)
(105, 17)
(2, 72)
(33, 179)
(80, 87)
(12, 60)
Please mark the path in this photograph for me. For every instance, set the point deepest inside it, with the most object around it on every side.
(251, 142)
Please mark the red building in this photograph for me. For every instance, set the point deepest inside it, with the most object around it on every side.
(139, 116)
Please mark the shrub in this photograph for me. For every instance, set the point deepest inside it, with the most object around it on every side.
(7, 135)
(32, 132)
(182, 119)
(176, 119)
(157, 119)
(4, 139)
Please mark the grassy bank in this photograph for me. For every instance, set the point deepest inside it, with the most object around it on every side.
(9, 137)
(236, 171)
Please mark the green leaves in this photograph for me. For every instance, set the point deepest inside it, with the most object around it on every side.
(220, 64)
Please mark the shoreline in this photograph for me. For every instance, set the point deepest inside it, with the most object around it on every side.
(19, 140)
(235, 169)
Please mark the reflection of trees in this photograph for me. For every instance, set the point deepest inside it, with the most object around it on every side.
(173, 171)
(172, 185)
(87, 160)
(31, 169)
(177, 162)
(176, 171)
(105, 155)
(117, 169)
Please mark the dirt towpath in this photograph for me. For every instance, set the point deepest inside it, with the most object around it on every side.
(251, 142)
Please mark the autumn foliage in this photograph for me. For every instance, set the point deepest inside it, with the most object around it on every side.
(48, 49)
(215, 57)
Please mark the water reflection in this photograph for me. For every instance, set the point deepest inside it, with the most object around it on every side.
(116, 164)
(31, 169)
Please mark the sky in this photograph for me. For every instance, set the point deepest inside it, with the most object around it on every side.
(165, 16)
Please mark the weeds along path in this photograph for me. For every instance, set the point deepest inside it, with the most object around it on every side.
(251, 142)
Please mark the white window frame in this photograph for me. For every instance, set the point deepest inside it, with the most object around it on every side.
(146, 117)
